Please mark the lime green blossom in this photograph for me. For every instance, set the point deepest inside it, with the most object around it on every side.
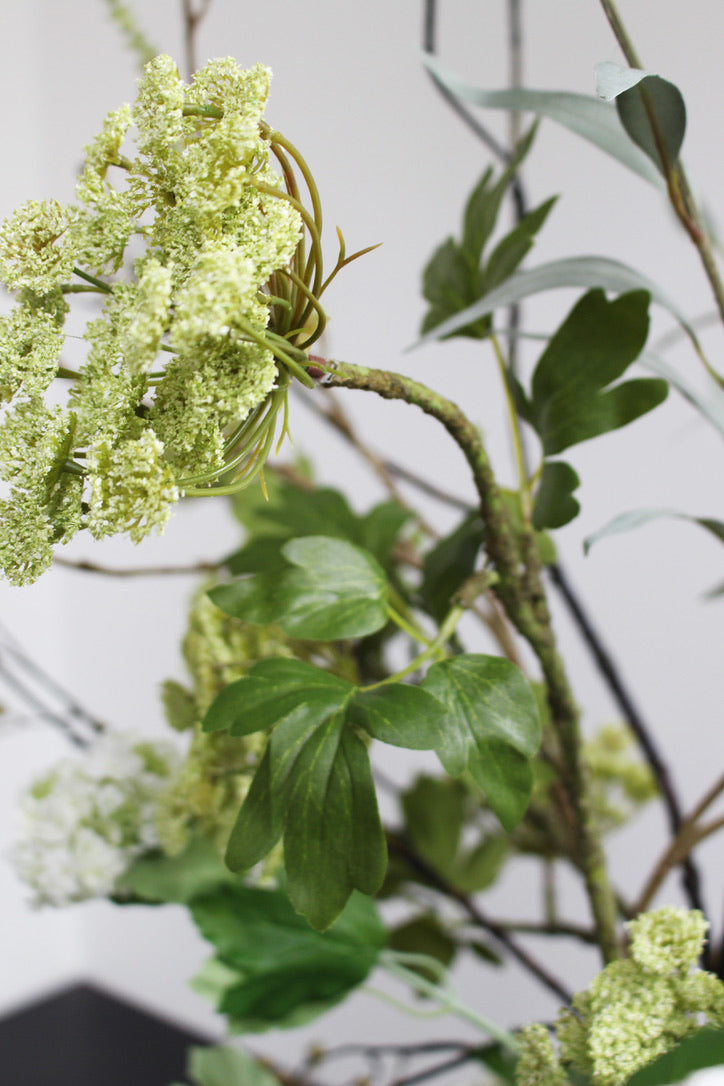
(538, 1064)
(33, 248)
(30, 344)
(639, 1007)
(621, 782)
(190, 359)
(667, 939)
(131, 487)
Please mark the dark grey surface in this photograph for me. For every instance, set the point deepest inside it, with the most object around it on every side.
(83, 1036)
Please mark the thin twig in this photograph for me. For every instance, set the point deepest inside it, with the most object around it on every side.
(644, 734)
(403, 848)
(84, 566)
(438, 1069)
(192, 18)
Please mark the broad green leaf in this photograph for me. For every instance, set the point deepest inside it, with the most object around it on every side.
(492, 728)
(399, 714)
(449, 563)
(594, 120)
(330, 590)
(156, 877)
(654, 115)
(554, 501)
(580, 271)
(704, 1048)
(333, 841)
(379, 529)
(636, 518)
(570, 398)
(271, 690)
(227, 1067)
(284, 966)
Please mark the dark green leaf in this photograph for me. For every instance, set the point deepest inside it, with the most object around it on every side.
(260, 821)
(399, 714)
(479, 869)
(450, 283)
(492, 728)
(379, 529)
(283, 965)
(227, 1067)
(160, 878)
(483, 206)
(654, 115)
(702, 1049)
(515, 246)
(554, 502)
(449, 564)
(592, 348)
(501, 1061)
(424, 934)
(434, 810)
(333, 838)
(270, 691)
(485, 953)
(331, 590)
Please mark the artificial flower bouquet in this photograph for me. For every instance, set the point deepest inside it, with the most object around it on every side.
(329, 633)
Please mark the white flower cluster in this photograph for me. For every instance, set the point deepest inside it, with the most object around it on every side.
(186, 351)
(84, 822)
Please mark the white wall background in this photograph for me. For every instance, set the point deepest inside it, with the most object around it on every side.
(393, 165)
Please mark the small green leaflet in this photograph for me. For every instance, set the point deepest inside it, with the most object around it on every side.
(456, 275)
(492, 728)
(554, 501)
(272, 969)
(654, 115)
(329, 589)
(573, 397)
(314, 783)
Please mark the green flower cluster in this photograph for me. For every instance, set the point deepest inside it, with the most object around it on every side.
(636, 1008)
(194, 245)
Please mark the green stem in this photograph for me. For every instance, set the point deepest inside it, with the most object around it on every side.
(679, 190)
(514, 423)
(520, 590)
(433, 649)
(104, 287)
(393, 962)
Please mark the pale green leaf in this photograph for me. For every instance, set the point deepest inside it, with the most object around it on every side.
(589, 117)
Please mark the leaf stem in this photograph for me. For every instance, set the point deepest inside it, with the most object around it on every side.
(394, 963)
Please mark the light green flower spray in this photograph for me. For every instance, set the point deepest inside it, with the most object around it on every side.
(209, 266)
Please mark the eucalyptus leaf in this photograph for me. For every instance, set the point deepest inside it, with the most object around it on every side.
(492, 728)
(636, 518)
(580, 272)
(589, 117)
(654, 115)
(612, 79)
(329, 590)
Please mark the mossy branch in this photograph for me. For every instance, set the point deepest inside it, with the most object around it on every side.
(520, 590)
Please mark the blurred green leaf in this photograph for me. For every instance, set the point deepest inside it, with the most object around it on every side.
(554, 502)
(424, 934)
(179, 705)
(156, 877)
(224, 1066)
(283, 967)
(449, 563)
